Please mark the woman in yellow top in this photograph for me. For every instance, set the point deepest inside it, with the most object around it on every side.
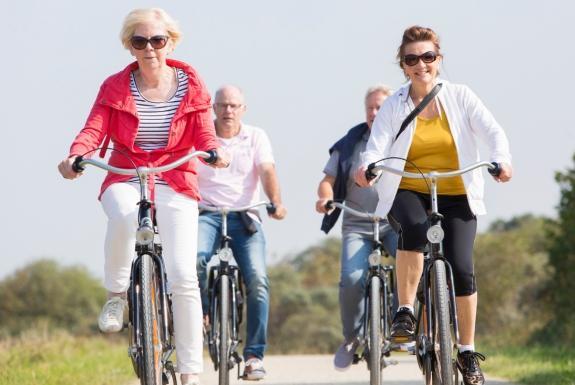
(442, 138)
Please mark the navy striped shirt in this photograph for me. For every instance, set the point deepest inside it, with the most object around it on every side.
(156, 117)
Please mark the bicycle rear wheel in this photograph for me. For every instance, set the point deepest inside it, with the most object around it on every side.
(375, 332)
(443, 364)
(151, 368)
(224, 340)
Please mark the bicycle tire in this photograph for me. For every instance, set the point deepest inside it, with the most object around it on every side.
(223, 348)
(388, 309)
(443, 371)
(151, 373)
(375, 332)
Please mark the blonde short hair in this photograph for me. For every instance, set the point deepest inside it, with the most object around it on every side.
(385, 90)
(143, 15)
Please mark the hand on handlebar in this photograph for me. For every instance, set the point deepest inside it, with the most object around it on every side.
(361, 178)
(505, 173)
(322, 207)
(278, 212)
(222, 159)
(66, 170)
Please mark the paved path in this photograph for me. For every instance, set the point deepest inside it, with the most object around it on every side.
(318, 370)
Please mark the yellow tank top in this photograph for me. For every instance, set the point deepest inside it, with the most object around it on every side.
(433, 149)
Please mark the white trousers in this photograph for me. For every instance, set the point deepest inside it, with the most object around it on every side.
(177, 218)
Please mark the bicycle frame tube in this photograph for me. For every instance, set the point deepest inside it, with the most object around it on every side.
(435, 253)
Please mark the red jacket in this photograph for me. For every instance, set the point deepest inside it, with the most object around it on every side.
(114, 114)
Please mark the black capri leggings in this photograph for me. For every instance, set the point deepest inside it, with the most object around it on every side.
(408, 216)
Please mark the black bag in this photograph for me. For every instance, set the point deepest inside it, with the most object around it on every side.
(248, 222)
(417, 110)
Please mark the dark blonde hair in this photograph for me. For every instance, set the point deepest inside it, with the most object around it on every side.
(414, 34)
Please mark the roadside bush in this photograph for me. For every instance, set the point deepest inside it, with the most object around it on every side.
(44, 293)
(512, 269)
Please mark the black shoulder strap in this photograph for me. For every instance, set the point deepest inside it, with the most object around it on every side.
(417, 110)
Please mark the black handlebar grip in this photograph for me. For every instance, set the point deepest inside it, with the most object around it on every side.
(76, 165)
(496, 170)
(329, 205)
(212, 158)
(271, 208)
(369, 174)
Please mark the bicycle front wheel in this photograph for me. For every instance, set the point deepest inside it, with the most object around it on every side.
(151, 368)
(224, 317)
(375, 332)
(443, 344)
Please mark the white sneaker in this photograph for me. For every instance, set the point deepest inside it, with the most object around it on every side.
(189, 379)
(404, 347)
(344, 354)
(254, 370)
(111, 318)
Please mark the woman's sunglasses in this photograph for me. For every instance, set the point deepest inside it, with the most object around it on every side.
(427, 57)
(157, 42)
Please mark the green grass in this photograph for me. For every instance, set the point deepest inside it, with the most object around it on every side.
(59, 359)
(533, 365)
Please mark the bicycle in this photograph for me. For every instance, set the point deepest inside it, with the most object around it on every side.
(226, 299)
(378, 303)
(437, 334)
(150, 323)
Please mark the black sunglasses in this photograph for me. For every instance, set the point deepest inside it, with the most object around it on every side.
(157, 42)
(427, 57)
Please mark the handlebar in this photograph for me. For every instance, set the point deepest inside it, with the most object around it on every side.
(80, 164)
(493, 168)
(331, 204)
(270, 208)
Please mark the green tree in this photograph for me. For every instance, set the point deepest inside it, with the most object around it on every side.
(304, 307)
(562, 258)
(512, 271)
(44, 292)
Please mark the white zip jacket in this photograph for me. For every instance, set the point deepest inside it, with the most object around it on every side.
(468, 119)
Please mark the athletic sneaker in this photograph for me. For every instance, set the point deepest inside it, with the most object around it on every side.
(404, 347)
(254, 369)
(403, 327)
(111, 319)
(468, 365)
(344, 355)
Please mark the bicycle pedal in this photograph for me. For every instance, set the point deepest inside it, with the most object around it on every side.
(356, 359)
(402, 339)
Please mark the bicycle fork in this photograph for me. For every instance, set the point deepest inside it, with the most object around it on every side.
(435, 254)
(134, 308)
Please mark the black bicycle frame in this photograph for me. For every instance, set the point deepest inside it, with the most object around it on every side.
(383, 273)
(145, 216)
(226, 271)
(435, 253)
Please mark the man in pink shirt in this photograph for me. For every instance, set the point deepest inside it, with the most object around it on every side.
(238, 185)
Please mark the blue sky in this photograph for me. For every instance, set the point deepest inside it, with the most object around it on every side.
(304, 67)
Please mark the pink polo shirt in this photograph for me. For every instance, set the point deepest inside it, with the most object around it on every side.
(237, 185)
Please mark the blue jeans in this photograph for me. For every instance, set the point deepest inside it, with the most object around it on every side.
(250, 255)
(355, 251)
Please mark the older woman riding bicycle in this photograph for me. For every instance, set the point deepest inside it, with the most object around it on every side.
(154, 111)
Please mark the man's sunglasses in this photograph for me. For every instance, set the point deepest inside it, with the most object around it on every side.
(427, 57)
(157, 42)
